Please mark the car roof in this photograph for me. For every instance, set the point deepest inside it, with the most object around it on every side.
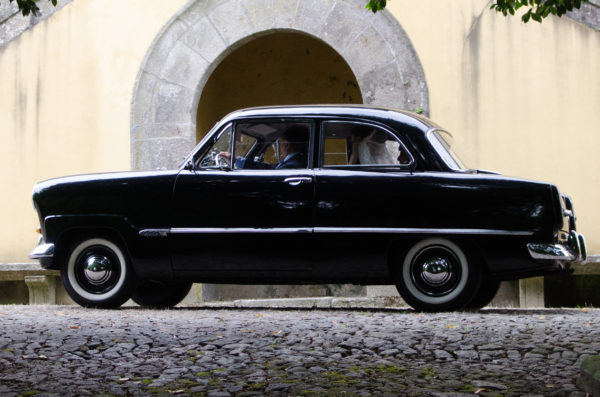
(366, 111)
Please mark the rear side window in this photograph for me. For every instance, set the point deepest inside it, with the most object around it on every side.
(358, 144)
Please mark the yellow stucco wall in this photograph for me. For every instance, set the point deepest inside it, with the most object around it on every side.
(64, 109)
(521, 99)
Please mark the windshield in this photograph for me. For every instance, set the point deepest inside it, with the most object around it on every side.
(442, 141)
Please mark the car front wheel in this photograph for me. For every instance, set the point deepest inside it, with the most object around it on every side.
(156, 294)
(97, 274)
(436, 275)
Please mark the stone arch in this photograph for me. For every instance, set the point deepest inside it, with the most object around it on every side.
(193, 43)
(279, 68)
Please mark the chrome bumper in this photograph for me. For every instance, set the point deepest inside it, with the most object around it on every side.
(42, 251)
(572, 250)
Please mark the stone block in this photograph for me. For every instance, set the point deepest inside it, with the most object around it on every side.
(381, 290)
(162, 153)
(194, 297)
(588, 14)
(160, 49)
(197, 10)
(205, 40)
(531, 292)
(154, 131)
(380, 53)
(13, 27)
(232, 21)
(173, 103)
(184, 66)
(508, 295)
(285, 13)
(141, 109)
(262, 14)
(8, 9)
(339, 33)
(311, 16)
(383, 87)
(42, 289)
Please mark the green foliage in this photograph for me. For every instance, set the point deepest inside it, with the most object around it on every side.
(537, 9)
(376, 5)
(29, 7)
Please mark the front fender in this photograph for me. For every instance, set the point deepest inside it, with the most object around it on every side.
(149, 256)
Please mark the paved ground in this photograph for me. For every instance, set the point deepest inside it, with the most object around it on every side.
(62, 350)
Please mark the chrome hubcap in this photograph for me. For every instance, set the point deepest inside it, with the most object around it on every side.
(435, 270)
(97, 269)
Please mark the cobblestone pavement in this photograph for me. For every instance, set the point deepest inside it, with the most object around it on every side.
(64, 350)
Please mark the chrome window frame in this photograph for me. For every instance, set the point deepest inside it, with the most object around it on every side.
(447, 156)
(207, 142)
(401, 167)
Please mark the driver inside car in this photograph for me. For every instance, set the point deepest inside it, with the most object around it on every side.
(293, 148)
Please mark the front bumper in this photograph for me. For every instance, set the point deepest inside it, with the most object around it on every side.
(42, 251)
(574, 249)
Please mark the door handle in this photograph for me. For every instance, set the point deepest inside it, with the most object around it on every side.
(295, 181)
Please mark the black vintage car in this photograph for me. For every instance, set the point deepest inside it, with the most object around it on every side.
(304, 195)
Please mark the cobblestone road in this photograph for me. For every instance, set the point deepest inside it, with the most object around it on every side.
(61, 350)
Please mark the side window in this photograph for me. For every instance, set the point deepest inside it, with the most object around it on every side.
(359, 144)
(214, 157)
(277, 144)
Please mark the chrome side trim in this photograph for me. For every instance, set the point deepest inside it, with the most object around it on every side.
(419, 231)
(154, 232)
(218, 230)
(551, 251)
(42, 251)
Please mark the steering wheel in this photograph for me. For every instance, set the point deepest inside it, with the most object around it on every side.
(220, 160)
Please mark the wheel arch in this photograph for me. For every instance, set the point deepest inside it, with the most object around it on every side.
(399, 247)
(68, 231)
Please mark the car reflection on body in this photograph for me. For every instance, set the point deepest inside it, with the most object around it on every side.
(356, 195)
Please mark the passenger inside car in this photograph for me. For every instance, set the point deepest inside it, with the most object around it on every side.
(292, 152)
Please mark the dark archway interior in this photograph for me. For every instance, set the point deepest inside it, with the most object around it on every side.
(282, 68)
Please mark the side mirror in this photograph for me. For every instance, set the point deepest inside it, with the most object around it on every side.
(189, 166)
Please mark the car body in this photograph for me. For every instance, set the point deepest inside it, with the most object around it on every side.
(379, 198)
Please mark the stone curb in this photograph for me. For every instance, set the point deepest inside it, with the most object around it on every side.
(380, 302)
(372, 303)
(324, 303)
(590, 375)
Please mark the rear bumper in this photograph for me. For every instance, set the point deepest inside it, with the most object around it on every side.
(572, 248)
(574, 251)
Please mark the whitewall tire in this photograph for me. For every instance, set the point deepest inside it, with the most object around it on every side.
(97, 274)
(436, 275)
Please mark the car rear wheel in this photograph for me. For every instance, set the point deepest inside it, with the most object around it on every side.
(487, 291)
(157, 294)
(436, 275)
(97, 274)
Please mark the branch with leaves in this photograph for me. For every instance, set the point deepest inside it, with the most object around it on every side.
(29, 7)
(537, 9)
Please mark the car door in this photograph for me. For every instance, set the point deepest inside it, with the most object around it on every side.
(363, 196)
(241, 217)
